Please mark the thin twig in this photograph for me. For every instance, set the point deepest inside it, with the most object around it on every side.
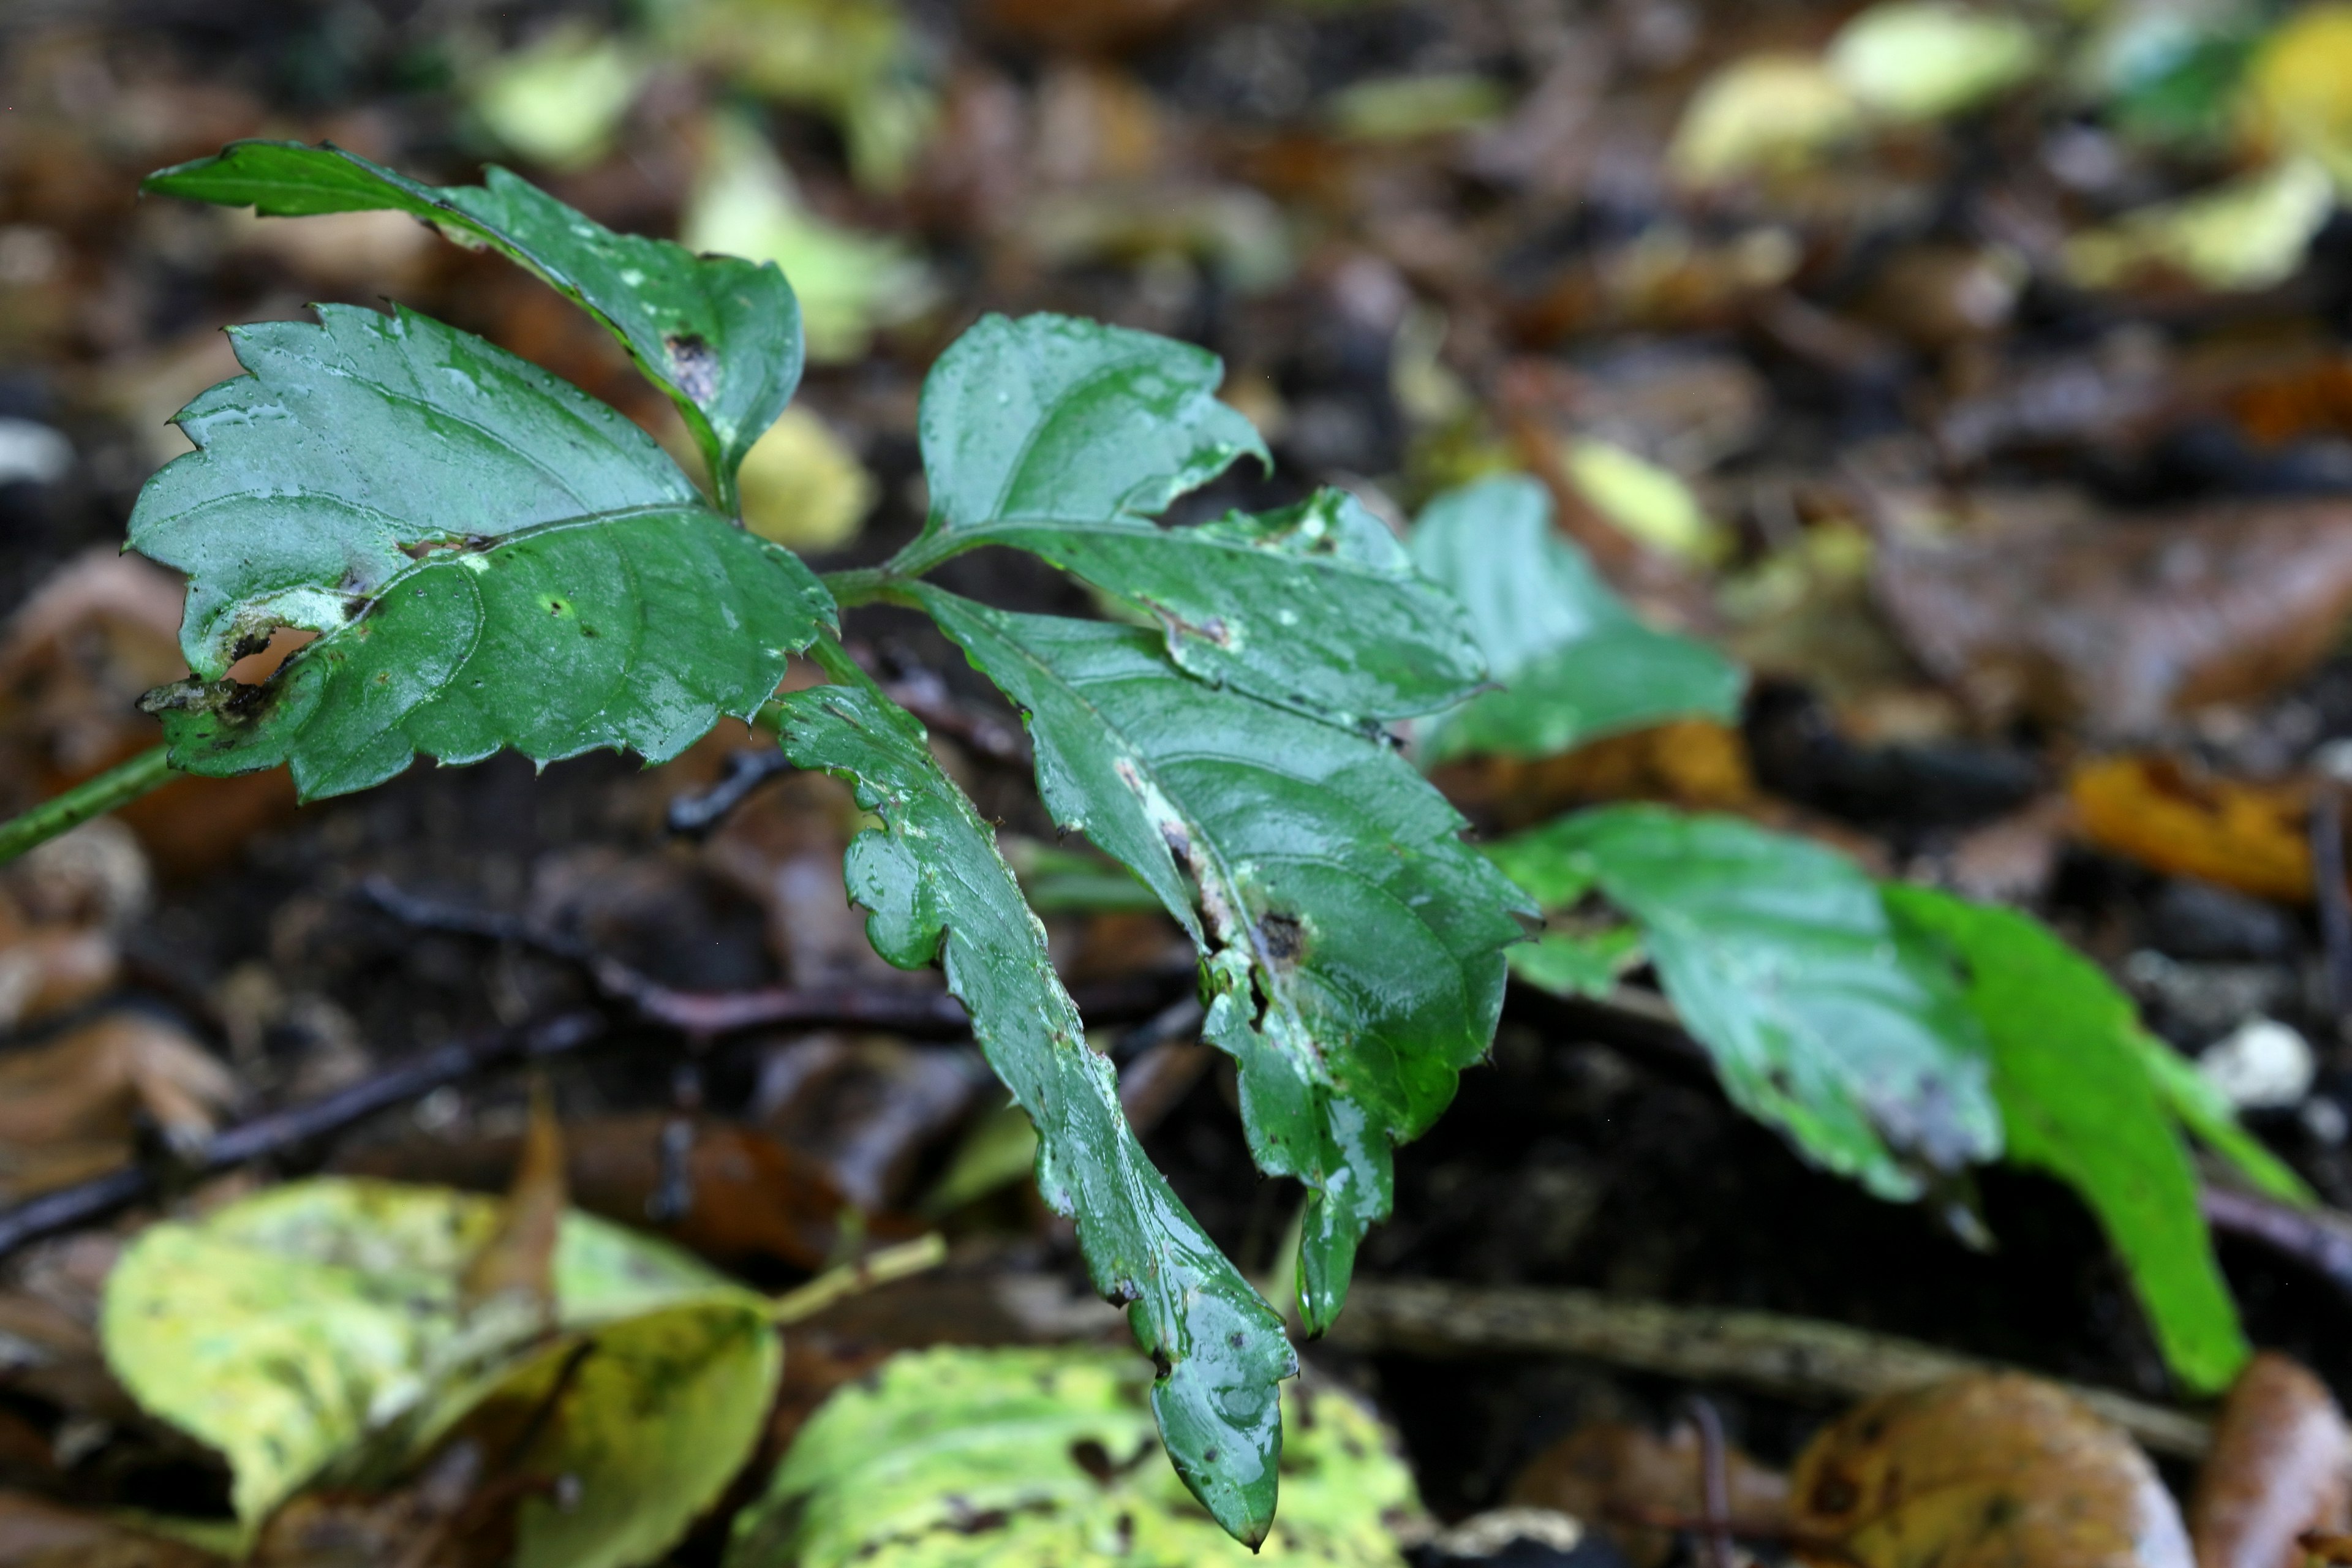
(284, 1130)
(923, 692)
(2320, 1239)
(1715, 1480)
(928, 1014)
(697, 814)
(891, 1264)
(1799, 1358)
(702, 1015)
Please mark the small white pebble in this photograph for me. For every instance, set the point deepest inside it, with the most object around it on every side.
(2262, 1065)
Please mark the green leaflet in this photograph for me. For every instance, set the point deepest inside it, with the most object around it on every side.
(1316, 607)
(1042, 1459)
(1573, 660)
(301, 1329)
(721, 336)
(494, 559)
(2209, 1117)
(939, 892)
(1064, 437)
(1822, 1021)
(2078, 1100)
(1353, 942)
(1048, 418)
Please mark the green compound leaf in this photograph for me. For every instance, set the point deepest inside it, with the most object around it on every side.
(957, 1458)
(1316, 607)
(1824, 1021)
(939, 892)
(721, 336)
(492, 557)
(291, 1330)
(1573, 661)
(1353, 943)
(2078, 1100)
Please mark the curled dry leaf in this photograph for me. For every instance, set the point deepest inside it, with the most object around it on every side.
(2121, 626)
(2278, 1468)
(68, 1108)
(2244, 836)
(1977, 1471)
(1637, 1486)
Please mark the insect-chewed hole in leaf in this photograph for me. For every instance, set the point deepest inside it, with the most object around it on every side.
(1834, 1494)
(555, 605)
(693, 367)
(1282, 936)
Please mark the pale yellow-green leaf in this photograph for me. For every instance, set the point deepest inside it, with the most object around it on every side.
(802, 488)
(1401, 108)
(856, 60)
(559, 100)
(1046, 1458)
(1650, 503)
(849, 283)
(286, 1329)
(646, 1420)
(1927, 59)
(1000, 1150)
(2294, 97)
(2248, 233)
(1763, 115)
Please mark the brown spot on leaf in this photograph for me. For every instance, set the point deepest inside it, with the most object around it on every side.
(693, 366)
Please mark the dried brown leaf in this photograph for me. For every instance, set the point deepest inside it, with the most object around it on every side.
(2245, 835)
(1982, 1471)
(2120, 626)
(2278, 1468)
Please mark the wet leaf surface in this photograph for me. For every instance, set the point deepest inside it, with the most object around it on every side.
(1821, 1019)
(472, 590)
(938, 891)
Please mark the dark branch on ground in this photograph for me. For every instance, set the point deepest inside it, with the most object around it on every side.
(284, 1131)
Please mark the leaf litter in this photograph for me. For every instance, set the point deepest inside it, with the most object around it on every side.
(1951, 279)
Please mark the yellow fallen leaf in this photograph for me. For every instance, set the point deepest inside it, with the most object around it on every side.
(849, 283)
(1766, 112)
(2244, 234)
(1928, 60)
(802, 488)
(1981, 1471)
(2293, 98)
(559, 100)
(1650, 503)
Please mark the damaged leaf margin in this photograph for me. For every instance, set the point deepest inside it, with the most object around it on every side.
(1352, 943)
(938, 892)
(492, 557)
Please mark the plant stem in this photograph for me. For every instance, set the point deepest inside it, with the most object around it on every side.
(117, 787)
(884, 1268)
(862, 586)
